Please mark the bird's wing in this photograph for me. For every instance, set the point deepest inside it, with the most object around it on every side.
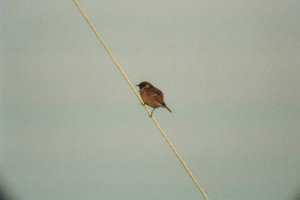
(156, 94)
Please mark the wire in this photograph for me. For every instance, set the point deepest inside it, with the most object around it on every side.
(132, 87)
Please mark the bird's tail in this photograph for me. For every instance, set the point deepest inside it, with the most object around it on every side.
(167, 108)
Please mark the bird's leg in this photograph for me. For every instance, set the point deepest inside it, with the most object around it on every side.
(152, 112)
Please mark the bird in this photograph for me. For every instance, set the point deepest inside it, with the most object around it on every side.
(152, 96)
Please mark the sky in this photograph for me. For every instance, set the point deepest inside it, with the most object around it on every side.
(71, 128)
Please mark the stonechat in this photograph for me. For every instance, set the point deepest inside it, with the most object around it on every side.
(152, 96)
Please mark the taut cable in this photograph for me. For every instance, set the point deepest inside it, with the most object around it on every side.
(121, 70)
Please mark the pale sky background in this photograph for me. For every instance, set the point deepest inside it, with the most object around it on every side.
(72, 129)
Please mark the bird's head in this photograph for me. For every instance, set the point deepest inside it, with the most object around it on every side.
(144, 84)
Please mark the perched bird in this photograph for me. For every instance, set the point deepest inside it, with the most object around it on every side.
(152, 96)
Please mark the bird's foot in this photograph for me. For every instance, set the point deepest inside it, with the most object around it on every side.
(151, 114)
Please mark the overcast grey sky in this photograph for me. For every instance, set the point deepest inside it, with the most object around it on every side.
(230, 71)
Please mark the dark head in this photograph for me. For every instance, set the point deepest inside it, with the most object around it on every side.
(144, 84)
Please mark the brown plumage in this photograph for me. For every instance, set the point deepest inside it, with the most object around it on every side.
(152, 96)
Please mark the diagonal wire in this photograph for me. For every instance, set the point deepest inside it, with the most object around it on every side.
(132, 87)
